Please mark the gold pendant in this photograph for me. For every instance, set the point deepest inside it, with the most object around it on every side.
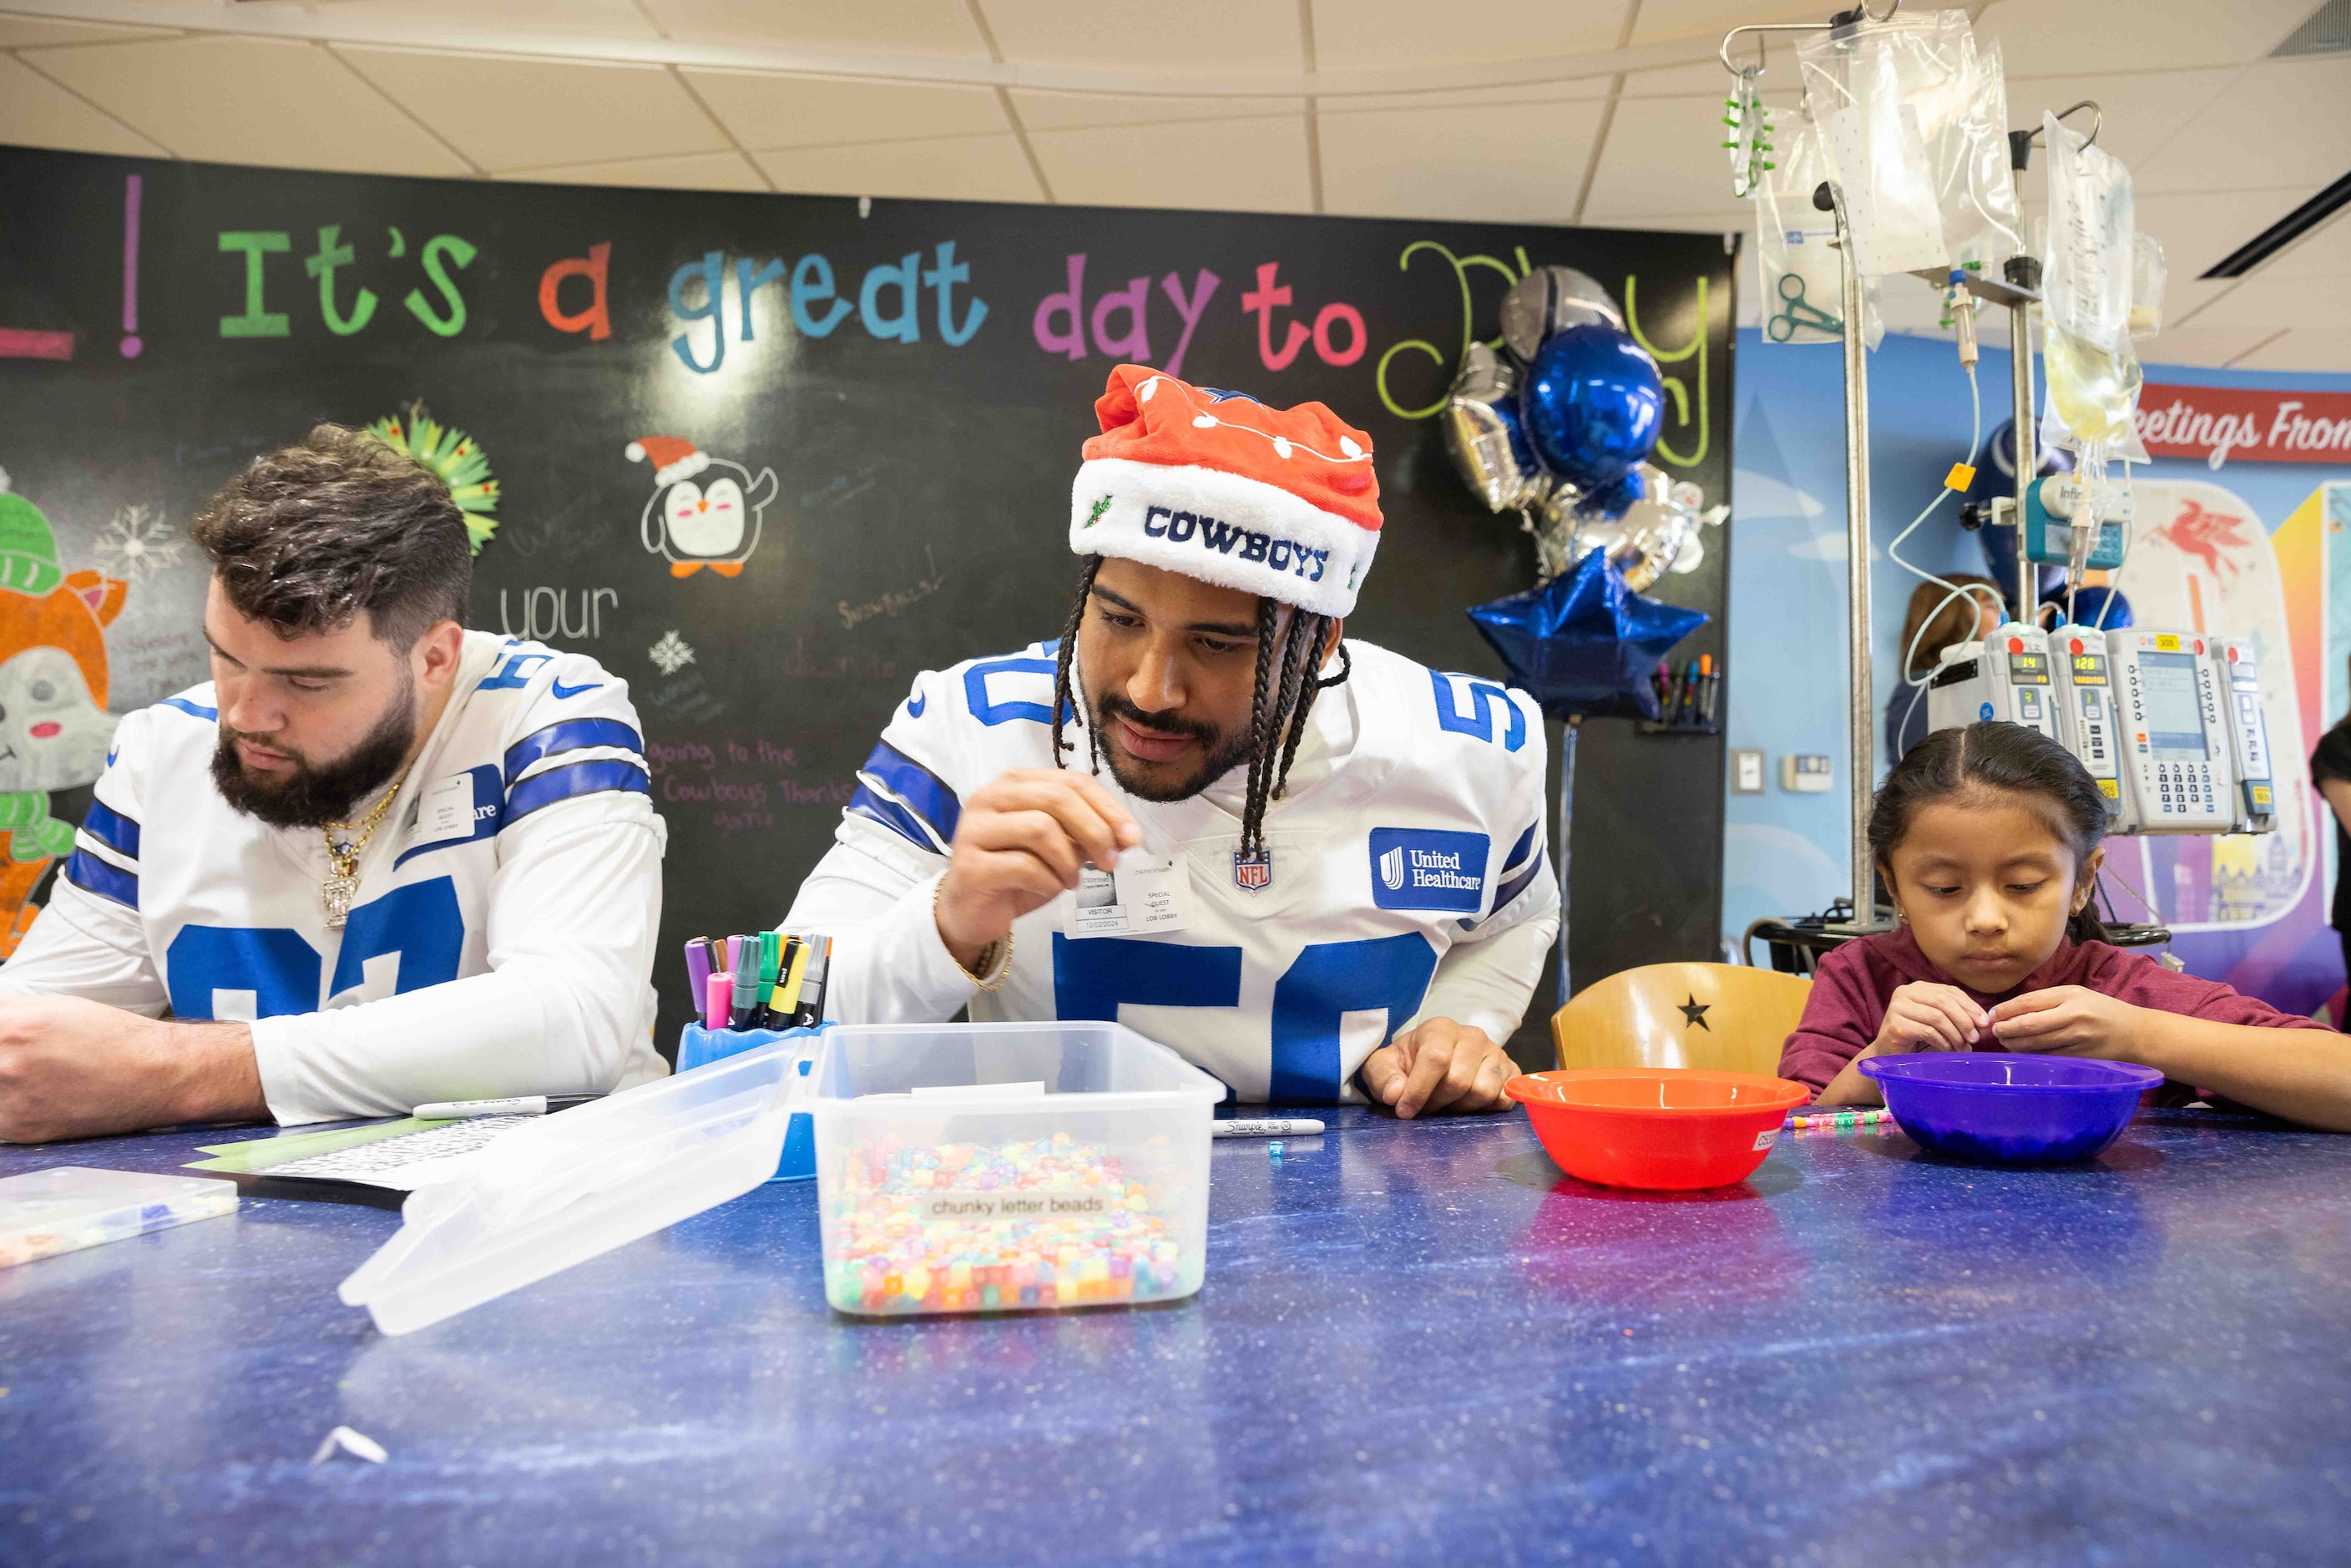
(339, 890)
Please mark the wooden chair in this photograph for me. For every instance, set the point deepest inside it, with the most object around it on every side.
(1721, 1016)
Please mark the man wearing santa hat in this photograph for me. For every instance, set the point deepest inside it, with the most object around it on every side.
(1310, 865)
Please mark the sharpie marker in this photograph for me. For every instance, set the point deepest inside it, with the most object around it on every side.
(512, 1105)
(1270, 1127)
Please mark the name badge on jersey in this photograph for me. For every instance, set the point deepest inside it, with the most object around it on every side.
(1141, 898)
(445, 813)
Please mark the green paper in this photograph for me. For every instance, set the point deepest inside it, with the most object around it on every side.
(255, 1154)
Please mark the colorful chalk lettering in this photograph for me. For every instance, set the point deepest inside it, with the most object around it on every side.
(1445, 362)
(134, 187)
(1674, 385)
(450, 321)
(889, 301)
(330, 256)
(258, 321)
(1131, 343)
(596, 320)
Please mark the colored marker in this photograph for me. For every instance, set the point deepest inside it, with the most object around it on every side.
(810, 1008)
(698, 969)
(745, 997)
(771, 947)
(718, 997)
(777, 1013)
(1267, 1127)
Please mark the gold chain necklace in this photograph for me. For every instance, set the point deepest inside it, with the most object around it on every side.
(342, 883)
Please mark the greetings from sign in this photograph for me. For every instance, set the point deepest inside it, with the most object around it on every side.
(2218, 423)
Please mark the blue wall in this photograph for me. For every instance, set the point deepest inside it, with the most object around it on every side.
(1785, 854)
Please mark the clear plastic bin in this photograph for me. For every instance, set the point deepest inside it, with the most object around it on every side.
(1009, 1167)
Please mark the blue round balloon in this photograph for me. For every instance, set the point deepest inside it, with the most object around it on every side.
(1592, 405)
(1616, 498)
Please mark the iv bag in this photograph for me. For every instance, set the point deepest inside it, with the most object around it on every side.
(1877, 151)
(1969, 150)
(1802, 281)
(2148, 273)
(2086, 284)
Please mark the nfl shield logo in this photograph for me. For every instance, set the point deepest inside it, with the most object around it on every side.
(1252, 873)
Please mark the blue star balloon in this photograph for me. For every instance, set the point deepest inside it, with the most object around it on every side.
(1584, 643)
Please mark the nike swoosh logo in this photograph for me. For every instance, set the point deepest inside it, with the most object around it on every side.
(563, 691)
(914, 705)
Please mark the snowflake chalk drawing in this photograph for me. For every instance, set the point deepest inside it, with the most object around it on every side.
(137, 543)
(671, 655)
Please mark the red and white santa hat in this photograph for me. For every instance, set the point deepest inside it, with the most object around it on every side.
(673, 456)
(1218, 486)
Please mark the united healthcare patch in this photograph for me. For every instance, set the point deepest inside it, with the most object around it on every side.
(1414, 868)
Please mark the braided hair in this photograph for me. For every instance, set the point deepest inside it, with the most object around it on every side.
(1289, 679)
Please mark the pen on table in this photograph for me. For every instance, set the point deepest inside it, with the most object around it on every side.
(511, 1105)
(1267, 1127)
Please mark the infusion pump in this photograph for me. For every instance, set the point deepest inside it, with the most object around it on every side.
(2169, 723)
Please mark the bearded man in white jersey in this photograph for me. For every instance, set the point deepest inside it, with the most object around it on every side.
(377, 861)
(1307, 864)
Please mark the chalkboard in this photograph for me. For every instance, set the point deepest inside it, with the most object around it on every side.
(899, 391)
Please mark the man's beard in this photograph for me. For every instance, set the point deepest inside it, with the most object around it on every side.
(316, 794)
(1220, 753)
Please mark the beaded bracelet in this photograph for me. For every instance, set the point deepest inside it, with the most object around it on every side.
(1856, 1118)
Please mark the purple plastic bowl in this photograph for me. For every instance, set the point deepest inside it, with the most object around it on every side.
(2010, 1109)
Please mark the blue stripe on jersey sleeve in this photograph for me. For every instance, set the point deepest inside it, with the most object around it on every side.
(544, 789)
(91, 875)
(211, 715)
(1519, 850)
(1516, 885)
(571, 735)
(112, 829)
(893, 816)
(918, 788)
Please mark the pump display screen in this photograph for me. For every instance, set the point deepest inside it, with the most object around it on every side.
(2029, 669)
(2089, 670)
(2175, 718)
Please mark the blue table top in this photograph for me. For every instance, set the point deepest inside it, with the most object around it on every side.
(1417, 1342)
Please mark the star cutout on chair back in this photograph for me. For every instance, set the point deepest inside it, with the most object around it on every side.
(1693, 1011)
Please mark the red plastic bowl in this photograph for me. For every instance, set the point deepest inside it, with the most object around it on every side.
(1664, 1128)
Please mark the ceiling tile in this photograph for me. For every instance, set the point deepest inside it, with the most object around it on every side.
(37, 112)
(1077, 110)
(2264, 301)
(1236, 34)
(1782, 88)
(1662, 19)
(695, 172)
(591, 18)
(1245, 166)
(1664, 155)
(1734, 217)
(2197, 231)
(2284, 125)
(2203, 347)
(529, 114)
(1512, 163)
(29, 32)
(2038, 38)
(1350, 35)
(770, 112)
(2303, 348)
(2141, 112)
(250, 101)
(954, 167)
(940, 29)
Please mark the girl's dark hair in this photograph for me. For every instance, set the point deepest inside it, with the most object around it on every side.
(1287, 685)
(2008, 759)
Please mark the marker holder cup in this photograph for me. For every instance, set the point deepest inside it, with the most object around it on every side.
(698, 1047)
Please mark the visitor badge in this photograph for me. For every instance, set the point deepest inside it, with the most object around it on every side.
(447, 812)
(1142, 897)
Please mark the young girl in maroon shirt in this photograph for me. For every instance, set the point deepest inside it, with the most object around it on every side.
(1987, 839)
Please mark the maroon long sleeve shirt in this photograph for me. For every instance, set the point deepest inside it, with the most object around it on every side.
(1855, 983)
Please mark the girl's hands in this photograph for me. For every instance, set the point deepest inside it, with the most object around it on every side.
(2066, 1020)
(1926, 1016)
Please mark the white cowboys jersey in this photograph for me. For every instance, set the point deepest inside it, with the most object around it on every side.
(503, 934)
(1407, 879)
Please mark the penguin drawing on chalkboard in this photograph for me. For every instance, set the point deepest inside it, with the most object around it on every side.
(694, 521)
